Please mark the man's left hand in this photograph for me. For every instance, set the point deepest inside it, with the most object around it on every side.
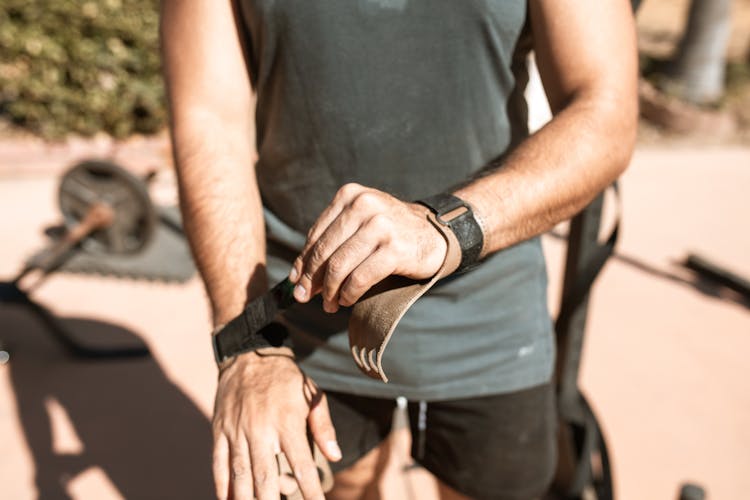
(362, 237)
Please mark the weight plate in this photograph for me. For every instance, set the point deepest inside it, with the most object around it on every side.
(97, 181)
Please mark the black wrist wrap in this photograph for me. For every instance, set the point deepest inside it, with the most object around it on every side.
(234, 338)
(464, 225)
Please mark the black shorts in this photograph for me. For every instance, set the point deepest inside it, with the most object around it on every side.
(493, 447)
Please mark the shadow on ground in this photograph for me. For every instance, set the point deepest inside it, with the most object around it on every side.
(135, 424)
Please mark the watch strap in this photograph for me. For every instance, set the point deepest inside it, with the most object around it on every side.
(458, 215)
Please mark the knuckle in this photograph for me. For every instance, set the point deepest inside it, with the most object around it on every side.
(357, 281)
(366, 200)
(335, 268)
(239, 466)
(299, 262)
(238, 470)
(317, 254)
(329, 293)
(392, 247)
(348, 299)
(381, 223)
(347, 190)
(262, 477)
(352, 290)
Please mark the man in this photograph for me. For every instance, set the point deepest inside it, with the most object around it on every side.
(363, 108)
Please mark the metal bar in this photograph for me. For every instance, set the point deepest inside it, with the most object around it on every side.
(582, 248)
(718, 274)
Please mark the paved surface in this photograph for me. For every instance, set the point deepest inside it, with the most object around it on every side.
(665, 361)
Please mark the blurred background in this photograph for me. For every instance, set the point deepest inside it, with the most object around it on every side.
(106, 371)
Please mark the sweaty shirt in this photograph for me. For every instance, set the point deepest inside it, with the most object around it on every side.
(412, 97)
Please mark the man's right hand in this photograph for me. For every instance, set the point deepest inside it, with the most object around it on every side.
(265, 405)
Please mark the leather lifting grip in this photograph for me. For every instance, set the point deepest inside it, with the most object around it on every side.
(376, 315)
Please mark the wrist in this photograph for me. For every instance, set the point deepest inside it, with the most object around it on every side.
(233, 296)
(433, 246)
(458, 215)
(261, 355)
(236, 338)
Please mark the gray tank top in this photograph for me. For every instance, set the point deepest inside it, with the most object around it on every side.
(412, 97)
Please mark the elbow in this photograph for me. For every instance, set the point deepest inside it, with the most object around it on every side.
(627, 130)
(621, 145)
(606, 113)
(616, 128)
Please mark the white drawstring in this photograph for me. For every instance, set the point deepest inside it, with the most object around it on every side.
(422, 428)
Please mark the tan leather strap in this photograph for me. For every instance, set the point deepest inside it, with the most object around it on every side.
(376, 315)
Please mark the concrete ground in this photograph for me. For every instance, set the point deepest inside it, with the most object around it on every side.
(665, 362)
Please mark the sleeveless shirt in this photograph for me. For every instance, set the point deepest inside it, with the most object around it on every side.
(412, 97)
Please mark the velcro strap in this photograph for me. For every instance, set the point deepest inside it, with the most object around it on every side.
(237, 337)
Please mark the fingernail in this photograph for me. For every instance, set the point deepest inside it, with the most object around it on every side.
(333, 450)
(293, 275)
(300, 292)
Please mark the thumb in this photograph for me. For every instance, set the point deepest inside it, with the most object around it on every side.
(322, 430)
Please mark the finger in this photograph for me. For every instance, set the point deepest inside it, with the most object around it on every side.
(354, 205)
(342, 198)
(372, 270)
(287, 483)
(265, 469)
(315, 260)
(220, 466)
(322, 430)
(366, 206)
(300, 458)
(345, 260)
(241, 475)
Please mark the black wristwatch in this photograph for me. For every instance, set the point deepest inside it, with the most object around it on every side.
(458, 215)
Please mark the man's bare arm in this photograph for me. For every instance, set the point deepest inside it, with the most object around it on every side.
(587, 58)
(264, 404)
(211, 110)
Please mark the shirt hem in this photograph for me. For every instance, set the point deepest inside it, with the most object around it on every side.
(520, 380)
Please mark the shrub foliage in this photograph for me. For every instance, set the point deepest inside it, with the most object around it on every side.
(72, 66)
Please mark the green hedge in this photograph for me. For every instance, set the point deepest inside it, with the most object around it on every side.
(73, 66)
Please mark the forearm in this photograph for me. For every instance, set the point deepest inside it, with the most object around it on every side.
(222, 214)
(589, 68)
(554, 173)
(211, 109)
